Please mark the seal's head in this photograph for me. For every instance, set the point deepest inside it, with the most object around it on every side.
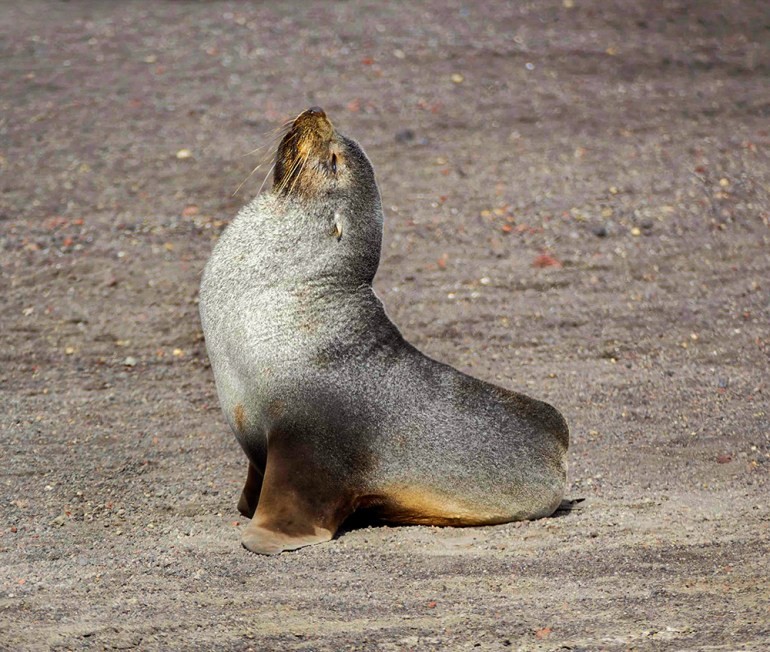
(326, 183)
(315, 161)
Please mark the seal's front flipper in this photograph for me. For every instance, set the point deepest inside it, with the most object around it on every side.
(298, 506)
(247, 504)
(265, 541)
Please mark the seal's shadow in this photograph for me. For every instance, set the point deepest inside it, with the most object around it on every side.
(568, 506)
(363, 518)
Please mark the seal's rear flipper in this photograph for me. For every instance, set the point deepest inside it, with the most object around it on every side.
(298, 505)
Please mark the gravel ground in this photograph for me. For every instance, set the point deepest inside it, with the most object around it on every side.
(577, 207)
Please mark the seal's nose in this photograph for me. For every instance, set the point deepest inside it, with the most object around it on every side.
(314, 120)
(316, 111)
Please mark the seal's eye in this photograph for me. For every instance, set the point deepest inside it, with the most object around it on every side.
(334, 164)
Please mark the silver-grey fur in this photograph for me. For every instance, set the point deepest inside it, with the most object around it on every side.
(299, 343)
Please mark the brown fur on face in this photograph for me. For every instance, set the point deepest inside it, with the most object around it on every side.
(309, 155)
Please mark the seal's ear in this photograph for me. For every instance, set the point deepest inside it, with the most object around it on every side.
(337, 230)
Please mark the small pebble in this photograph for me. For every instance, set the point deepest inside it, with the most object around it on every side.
(405, 136)
(600, 231)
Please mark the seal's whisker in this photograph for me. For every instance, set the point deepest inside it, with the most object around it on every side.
(290, 174)
(273, 137)
(269, 172)
(285, 177)
(299, 173)
(240, 185)
(279, 129)
(256, 149)
(277, 135)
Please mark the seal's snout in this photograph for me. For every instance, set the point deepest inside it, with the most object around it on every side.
(313, 119)
(303, 150)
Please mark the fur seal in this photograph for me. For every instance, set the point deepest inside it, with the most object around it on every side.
(334, 409)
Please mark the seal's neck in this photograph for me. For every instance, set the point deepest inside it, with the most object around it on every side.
(331, 246)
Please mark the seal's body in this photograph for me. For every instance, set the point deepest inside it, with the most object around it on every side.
(334, 409)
